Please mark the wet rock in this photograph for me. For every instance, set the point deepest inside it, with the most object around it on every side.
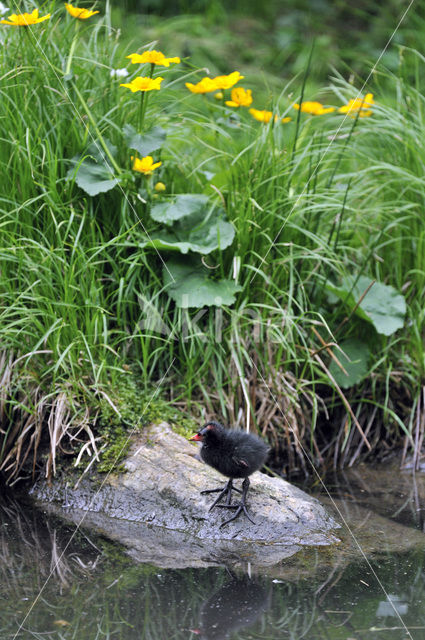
(156, 505)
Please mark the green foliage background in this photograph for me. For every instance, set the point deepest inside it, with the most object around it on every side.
(302, 219)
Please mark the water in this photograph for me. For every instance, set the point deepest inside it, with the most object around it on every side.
(62, 585)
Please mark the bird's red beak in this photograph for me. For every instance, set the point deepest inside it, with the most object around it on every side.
(196, 437)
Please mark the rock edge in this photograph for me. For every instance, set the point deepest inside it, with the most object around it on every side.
(160, 492)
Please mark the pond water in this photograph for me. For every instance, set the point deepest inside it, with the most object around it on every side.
(61, 584)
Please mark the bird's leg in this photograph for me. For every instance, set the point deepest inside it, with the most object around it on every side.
(226, 491)
(239, 507)
(221, 489)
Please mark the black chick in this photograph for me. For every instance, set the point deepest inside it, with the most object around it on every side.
(235, 454)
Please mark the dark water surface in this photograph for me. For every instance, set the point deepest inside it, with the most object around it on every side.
(59, 584)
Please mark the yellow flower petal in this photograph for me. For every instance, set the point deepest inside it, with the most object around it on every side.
(152, 57)
(145, 165)
(314, 108)
(206, 85)
(240, 97)
(80, 14)
(24, 19)
(143, 84)
(266, 116)
(226, 82)
(360, 105)
(261, 115)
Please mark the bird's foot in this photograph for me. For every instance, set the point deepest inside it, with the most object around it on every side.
(219, 489)
(224, 492)
(239, 508)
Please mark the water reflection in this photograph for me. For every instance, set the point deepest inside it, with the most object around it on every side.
(31, 543)
(398, 494)
(62, 586)
(238, 604)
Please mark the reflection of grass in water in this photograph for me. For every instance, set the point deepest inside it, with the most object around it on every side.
(121, 600)
(98, 592)
(145, 602)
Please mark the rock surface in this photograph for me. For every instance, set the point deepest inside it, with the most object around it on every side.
(155, 507)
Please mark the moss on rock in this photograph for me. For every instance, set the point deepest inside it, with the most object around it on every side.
(129, 408)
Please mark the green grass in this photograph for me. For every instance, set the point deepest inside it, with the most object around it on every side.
(312, 203)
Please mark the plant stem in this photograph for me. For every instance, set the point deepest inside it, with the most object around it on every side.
(143, 102)
(72, 49)
(97, 130)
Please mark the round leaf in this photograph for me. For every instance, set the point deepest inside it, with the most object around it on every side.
(188, 284)
(354, 359)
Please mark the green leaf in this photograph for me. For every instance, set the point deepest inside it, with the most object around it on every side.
(94, 178)
(179, 207)
(188, 284)
(355, 361)
(93, 173)
(204, 240)
(382, 306)
(144, 143)
(198, 225)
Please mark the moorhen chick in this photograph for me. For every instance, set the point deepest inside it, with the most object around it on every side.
(235, 454)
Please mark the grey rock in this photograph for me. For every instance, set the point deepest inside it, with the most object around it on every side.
(155, 508)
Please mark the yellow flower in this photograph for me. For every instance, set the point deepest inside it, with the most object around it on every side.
(358, 105)
(81, 14)
(240, 97)
(261, 116)
(160, 186)
(145, 165)
(226, 82)
(266, 116)
(143, 84)
(315, 108)
(153, 57)
(24, 19)
(203, 86)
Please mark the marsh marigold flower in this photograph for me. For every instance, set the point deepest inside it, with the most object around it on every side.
(145, 165)
(226, 82)
(360, 105)
(240, 97)
(262, 115)
(24, 19)
(266, 116)
(143, 84)
(81, 14)
(314, 108)
(153, 57)
(203, 86)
